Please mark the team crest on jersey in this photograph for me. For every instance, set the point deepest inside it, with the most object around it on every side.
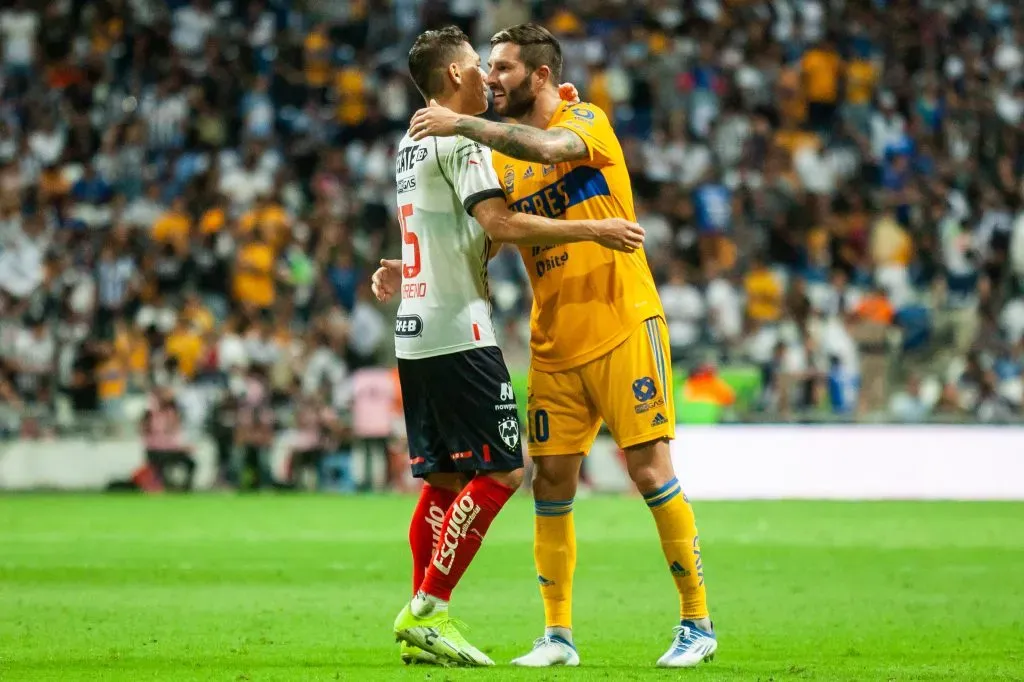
(509, 178)
(550, 168)
(528, 173)
(508, 429)
(585, 115)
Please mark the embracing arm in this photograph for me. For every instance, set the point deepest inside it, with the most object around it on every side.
(503, 225)
(556, 145)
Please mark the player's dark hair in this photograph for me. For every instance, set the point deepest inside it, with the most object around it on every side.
(430, 56)
(537, 47)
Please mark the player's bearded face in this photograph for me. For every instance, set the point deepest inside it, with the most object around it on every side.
(516, 101)
(510, 82)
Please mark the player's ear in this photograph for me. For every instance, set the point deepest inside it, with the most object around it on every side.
(455, 73)
(542, 76)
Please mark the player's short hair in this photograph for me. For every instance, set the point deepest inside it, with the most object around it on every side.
(537, 47)
(431, 54)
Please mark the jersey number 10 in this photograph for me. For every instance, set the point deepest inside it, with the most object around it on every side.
(409, 237)
(537, 426)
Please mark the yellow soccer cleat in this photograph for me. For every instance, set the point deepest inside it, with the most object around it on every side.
(413, 655)
(439, 634)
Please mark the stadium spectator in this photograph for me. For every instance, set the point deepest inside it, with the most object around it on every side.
(167, 452)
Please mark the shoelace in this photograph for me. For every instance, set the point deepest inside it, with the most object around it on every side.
(541, 641)
(682, 634)
(452, 625)
(546, 640)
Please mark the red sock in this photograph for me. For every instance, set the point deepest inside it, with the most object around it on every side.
(425, 529)
(464, 528)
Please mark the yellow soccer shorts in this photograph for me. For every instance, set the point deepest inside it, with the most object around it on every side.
(629, 388)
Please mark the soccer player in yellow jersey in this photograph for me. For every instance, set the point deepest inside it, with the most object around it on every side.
(598, 336)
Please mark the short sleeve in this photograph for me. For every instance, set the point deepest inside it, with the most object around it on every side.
(472, 175)
(594, 128)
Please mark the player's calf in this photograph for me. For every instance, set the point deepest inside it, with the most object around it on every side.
(651, 468)
(463, 530)
(436, 496)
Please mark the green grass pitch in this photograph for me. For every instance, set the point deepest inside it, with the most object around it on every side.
(280, 587)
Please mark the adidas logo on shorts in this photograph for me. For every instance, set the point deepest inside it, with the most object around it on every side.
(658, 420)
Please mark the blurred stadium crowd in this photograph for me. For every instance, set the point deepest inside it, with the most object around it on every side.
(193, 194)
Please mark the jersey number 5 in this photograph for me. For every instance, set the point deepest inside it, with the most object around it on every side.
(409, 237)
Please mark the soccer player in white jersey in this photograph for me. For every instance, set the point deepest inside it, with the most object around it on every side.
(460, 412)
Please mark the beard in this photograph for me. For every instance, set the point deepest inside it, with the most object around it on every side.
(518, 101)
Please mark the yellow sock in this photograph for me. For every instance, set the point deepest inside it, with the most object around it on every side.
(678, 530)
(554, 552)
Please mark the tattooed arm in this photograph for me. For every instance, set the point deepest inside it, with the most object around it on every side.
(512, 139)
(524, 142)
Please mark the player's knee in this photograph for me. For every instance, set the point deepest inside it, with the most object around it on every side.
(509, 479)
(454, 482)
(647, 477)
(555, 478)
(649, 466)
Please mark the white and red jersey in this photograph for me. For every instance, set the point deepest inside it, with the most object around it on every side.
(445, 307)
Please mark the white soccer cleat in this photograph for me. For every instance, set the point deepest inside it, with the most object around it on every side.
(548, 651)
(690, 647)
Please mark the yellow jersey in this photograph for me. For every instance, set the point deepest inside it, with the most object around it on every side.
(586, 299)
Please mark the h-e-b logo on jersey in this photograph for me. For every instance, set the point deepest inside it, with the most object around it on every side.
(646, 393)
(408, 326)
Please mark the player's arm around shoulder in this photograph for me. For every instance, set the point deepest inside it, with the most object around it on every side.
(554, 145)
(524, 229)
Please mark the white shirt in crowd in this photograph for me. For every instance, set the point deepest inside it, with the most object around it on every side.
(1011, 320)
(261, 350)
(760, 346)
(19, 29)
(1017, 244)
(664, 160)
(231, 352)
(658, 232)
(242, 185)
(837, 342)
(372, 329)
(162, 318)
(47, 147)
(325, 367)
(885, 131)
(725, 302)
(21, 264)
(143, 212)
(697, 161)
(191, 29)
(166, 116)
(34, 354)
(684, 312)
